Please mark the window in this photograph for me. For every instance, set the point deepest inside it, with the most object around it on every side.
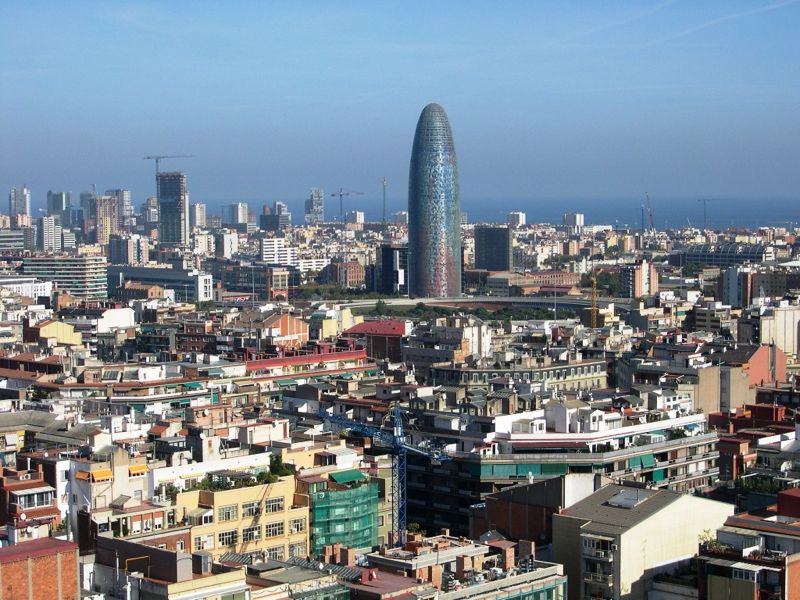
(273, 529)
(204, 542)
(298, 550)
(273, 505)
(162, 546)
(275, 553)
(251, 534)
(228, 538)
(65, 475)
(251, 509)
(381, 520)
(137, 495)
(158, 522)
(744, 575)
(297, 525)
(179, 545)
(228, 513)
(148, 524)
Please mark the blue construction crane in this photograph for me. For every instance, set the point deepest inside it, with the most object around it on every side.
(396, 442)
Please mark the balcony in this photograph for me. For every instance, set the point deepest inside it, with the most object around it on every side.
(600, 578)
(601, 555)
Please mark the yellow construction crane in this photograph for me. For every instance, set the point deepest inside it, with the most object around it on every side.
(158, 157)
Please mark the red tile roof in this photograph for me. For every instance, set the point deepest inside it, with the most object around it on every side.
(382, 327)
(34, 548)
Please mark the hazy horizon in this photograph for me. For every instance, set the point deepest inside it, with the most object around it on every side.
(547, 101)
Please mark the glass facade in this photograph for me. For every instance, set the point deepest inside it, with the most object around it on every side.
(434, 211)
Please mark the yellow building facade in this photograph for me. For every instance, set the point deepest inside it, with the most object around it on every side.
(262, 520)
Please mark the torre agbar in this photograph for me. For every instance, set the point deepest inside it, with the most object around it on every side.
(434, 211)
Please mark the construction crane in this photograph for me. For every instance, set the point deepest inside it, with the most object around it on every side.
(158, 157)
(650, 214)
(342, 193)
(705, 202)
(399, 447)
(384, 183)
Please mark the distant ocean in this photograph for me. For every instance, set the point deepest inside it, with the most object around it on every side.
(722, 212)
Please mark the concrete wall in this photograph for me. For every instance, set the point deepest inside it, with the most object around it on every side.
(670, 536)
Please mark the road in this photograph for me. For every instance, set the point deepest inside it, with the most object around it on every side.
(621, 305)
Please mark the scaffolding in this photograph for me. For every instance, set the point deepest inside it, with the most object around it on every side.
(348, 516)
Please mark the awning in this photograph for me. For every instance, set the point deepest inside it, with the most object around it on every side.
(102, 475)
(82, 475)
(286, 382)
(137, 470)
(35, 490)
(648, 461)
(198, 512)
(349, 476)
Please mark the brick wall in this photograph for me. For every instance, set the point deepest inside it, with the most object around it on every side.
(50, 577)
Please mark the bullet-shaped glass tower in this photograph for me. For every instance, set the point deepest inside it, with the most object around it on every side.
(434, 210)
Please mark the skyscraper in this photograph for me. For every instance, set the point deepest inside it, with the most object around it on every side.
(19, 201)
(58, 206)
(197, 215)
(237, 213)
(173, 209)
(315, 207)
(106, 219)
(493, 250)
(434, 212)
(124, 206)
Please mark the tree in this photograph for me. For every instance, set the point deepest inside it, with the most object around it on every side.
(381, 308)
(277, 467)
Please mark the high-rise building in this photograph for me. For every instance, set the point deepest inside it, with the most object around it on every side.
(58, 206)
(49, 233)
(354, 217)
(573, 222)
(106, 220)
(237, 213)
(197, 216)
(278, 219)
(226, 244)
(124, 207)
(19, 201)
(274, 251)
(516, 218)
(128, 250)
(150, 210)
(638, 280)
(434, 212)
(315, 207)
(493, 250)
(392, 271)
(173, 209)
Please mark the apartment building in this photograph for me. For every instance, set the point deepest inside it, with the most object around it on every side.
(613, 542)
(262, 520)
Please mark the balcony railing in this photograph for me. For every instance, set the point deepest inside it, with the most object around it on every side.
(603, 578)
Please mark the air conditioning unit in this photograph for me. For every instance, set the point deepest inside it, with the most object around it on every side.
(614, 547)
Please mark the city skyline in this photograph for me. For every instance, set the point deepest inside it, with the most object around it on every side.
(700, 99)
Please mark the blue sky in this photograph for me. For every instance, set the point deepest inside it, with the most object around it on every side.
(547, 100)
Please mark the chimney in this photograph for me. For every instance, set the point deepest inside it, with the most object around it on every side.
(526, 548)
(508, 557)
(463, 565)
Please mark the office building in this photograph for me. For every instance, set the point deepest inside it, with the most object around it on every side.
(12, 240)
(226, 244)
(392, 271)
(573, 222)
(82, 276)
(275, 251)
(124, 207)
(49, 234)
(173, 208)
(315, 207)
(434, 212)
(150, 211)
(237, 213)
(516, 219)
(354, 217)
(189, 285)
(197, 216)
(106, 219)
(19, 201)
(277, 220)
(68, 241)
(58, 205)
(128, 250)
(493, 250)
